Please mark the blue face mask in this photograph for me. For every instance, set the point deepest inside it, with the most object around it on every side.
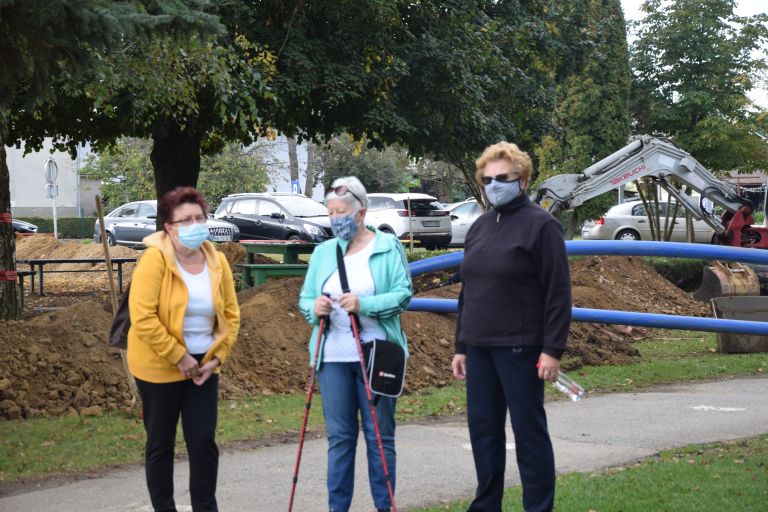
(502, 192)
(192, 237)
(344, 226)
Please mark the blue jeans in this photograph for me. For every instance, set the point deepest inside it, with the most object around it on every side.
(343, 391)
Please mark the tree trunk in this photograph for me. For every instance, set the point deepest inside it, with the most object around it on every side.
(10, 306)
(468, 171)
(293, 160)
(175, 159)
(310, 183)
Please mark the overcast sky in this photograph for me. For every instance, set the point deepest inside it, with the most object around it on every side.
(743, 8)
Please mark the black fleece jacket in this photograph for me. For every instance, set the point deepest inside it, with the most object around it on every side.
(516, 282)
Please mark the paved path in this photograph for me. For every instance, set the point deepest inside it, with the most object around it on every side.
(435, 461)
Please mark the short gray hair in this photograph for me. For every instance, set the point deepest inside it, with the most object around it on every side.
(357, 195)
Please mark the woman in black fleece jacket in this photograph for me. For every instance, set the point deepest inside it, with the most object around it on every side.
(514, 315)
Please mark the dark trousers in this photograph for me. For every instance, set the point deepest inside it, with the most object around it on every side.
(197, 405)
(498, 379)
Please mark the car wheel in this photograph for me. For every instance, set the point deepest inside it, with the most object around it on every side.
(111, 239)
(294, 237)
(627, 234)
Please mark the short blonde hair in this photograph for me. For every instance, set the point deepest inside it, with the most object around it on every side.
(505, 151)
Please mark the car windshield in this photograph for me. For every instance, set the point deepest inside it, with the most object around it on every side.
(303, 206)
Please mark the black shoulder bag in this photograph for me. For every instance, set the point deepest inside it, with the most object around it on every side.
(385, 360)
(121, 323)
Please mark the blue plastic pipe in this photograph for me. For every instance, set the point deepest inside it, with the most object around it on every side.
(622, 248)
(606, 316)
(619, 248)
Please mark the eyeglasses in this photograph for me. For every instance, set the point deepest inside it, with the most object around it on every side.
(188, 221)
(501, 178)
(341, 190)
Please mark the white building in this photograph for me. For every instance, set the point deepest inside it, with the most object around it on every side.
(76, 196)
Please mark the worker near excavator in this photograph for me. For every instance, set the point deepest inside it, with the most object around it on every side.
(512, 328)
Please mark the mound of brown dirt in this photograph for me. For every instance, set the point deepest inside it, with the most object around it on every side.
(59, 363)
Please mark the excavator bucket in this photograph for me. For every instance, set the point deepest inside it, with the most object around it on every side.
(727, 280)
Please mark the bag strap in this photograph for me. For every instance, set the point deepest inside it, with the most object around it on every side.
(343, 279)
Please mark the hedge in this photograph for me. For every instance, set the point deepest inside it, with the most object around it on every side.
(68, 227)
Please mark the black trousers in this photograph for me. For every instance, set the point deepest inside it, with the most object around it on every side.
(498, 379)
(197, 405)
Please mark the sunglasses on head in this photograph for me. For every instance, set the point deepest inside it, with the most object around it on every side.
(341, 190)
(501, 178)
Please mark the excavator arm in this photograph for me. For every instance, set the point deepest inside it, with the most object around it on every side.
(671, 168)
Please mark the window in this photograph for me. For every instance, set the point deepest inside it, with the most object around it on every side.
(128, 211)
(245, 207)
(465, 210)
(267, 208)
(146, 210)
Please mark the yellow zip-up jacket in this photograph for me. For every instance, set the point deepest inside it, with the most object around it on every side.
(157, 303)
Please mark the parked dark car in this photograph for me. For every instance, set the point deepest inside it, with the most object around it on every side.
(23, 227)
(276, 216)
(131, 222)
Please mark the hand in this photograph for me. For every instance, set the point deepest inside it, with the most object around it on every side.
(548, 367)
(350, 303)
(459, 366)
(206, 371)
(188, 366)
(323, 306)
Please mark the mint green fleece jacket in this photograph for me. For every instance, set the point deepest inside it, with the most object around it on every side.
(391, 280)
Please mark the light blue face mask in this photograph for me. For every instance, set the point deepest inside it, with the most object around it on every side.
(344, 226)
(192, 237)
(502, 192)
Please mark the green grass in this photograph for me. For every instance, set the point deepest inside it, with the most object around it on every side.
(47, 446)
(730, 475)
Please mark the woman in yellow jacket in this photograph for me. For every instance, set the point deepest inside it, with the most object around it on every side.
(184, 321)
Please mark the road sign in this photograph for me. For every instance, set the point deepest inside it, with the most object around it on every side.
(51, 190)
(51, 170)
(295, 188)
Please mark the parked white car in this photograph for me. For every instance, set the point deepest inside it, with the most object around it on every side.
(431, 224)
(463, 215)
(628, 221)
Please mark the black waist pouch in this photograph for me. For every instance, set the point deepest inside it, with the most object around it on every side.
(385, 364)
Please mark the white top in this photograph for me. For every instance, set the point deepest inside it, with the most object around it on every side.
(340, 346)
(200, 316)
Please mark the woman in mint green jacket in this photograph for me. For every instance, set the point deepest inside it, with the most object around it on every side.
(380, 289)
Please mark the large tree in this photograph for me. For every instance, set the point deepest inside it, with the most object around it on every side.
(694, 62)
(593, 117)
(42, 40)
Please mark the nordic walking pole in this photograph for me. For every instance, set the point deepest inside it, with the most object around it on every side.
(307, 406)
(113, 295)
(369, 396)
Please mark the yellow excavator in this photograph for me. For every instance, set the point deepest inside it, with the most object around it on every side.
(671, 168)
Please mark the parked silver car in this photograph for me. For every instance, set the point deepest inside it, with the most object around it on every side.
(463, 215)
(131, 222)
(628, 221)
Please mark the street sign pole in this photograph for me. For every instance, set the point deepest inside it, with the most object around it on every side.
(51, 189)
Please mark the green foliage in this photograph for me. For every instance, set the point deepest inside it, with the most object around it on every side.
(67, 227)
(45, 39)
(378, 170)
(593, 115)
(694, 61)
(125, 172)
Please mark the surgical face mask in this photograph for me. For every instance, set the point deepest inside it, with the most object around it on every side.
(344, 226)
(502, 192)
(192, 237)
